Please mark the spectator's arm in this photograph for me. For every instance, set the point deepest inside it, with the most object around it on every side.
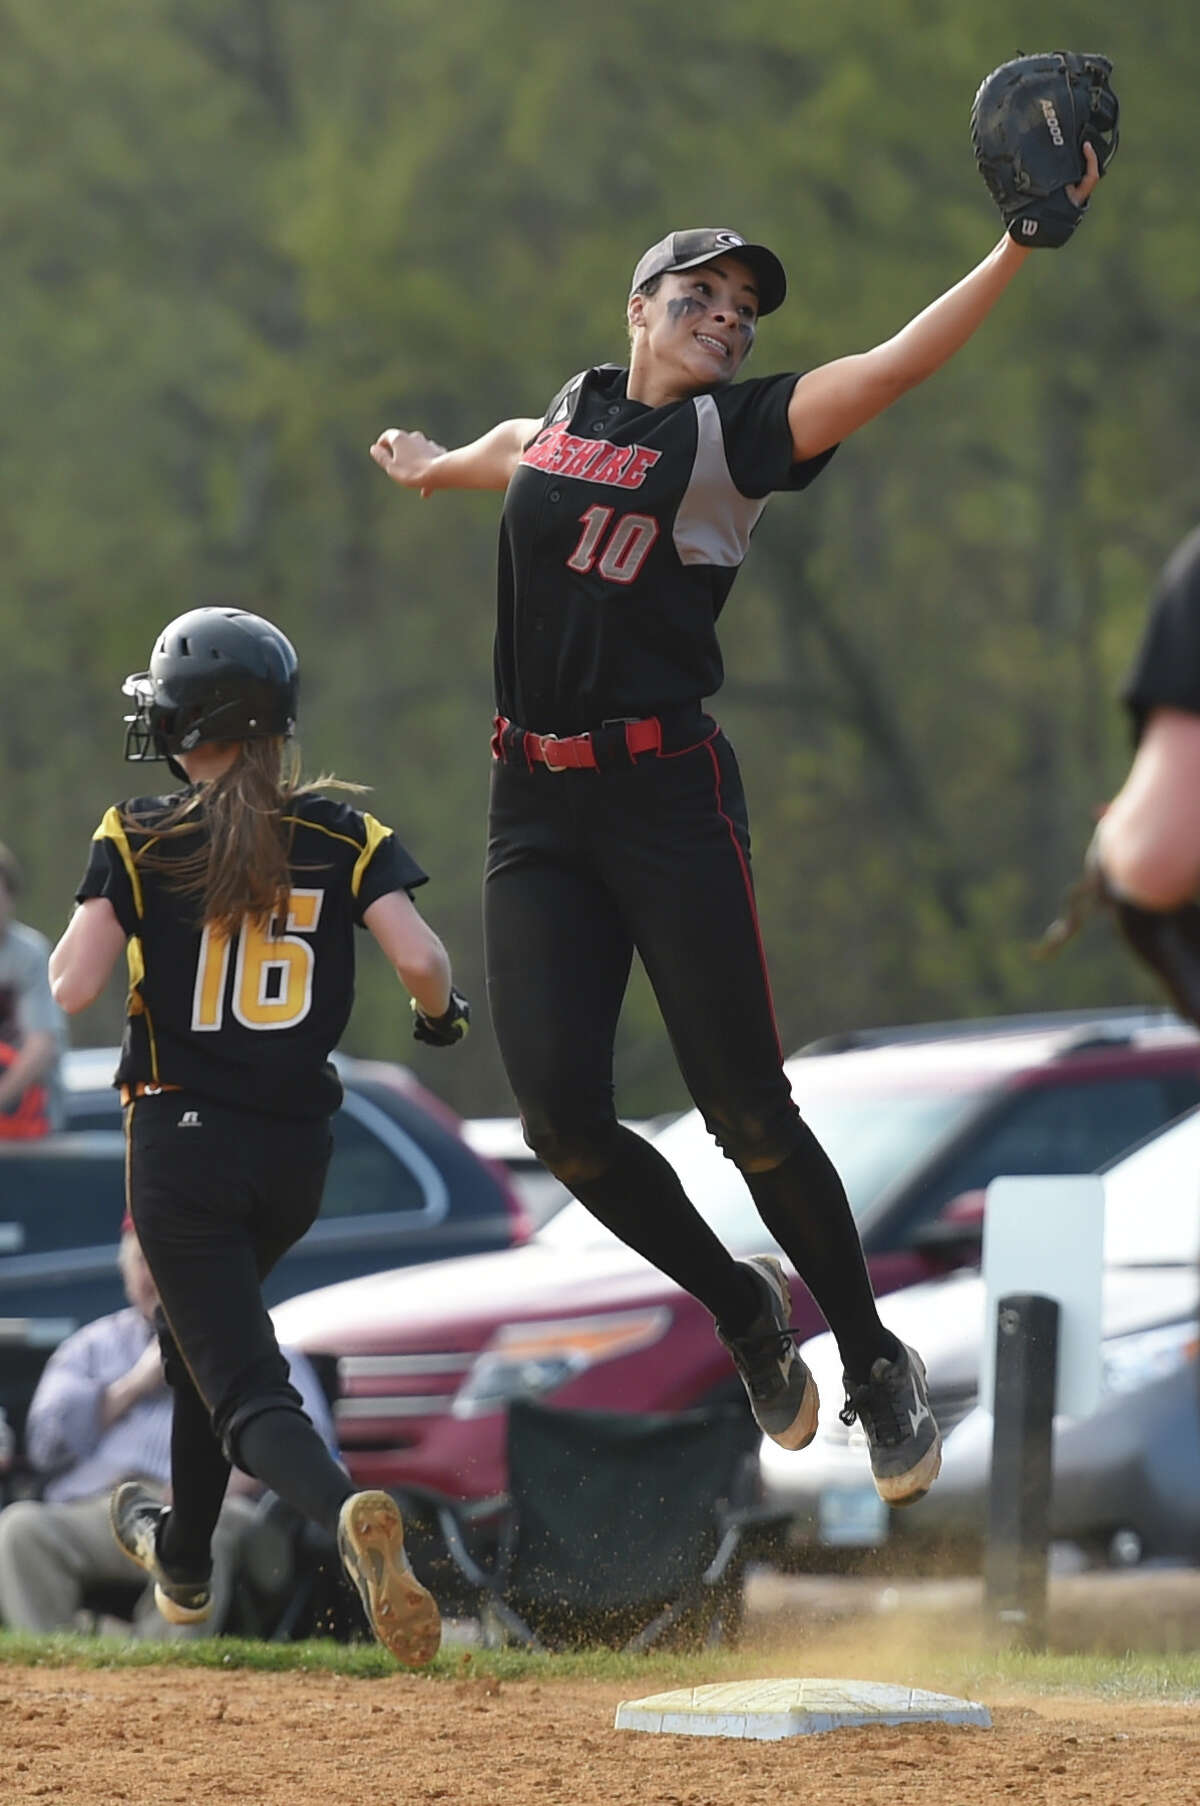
(143, 1380)
(34, 1059)
(65, 1421)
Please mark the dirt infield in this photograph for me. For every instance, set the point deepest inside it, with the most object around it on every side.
(80, 1737)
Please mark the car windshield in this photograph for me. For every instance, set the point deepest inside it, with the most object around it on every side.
(873, 1136)
(1152, 1200)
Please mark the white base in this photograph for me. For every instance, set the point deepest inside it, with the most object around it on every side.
(791, 1708)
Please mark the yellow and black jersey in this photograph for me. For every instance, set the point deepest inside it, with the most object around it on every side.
(249, 1019)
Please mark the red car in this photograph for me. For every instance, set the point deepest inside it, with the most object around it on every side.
(918, 1122)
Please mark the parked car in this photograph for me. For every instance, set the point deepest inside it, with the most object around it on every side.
(918, 1121)
(1126, 1477)
(403, 1187)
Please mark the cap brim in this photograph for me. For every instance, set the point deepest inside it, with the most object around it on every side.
(771, 275)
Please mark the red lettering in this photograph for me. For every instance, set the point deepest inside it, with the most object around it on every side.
(634, 473)
(560, 451)
(610, 468)
(586, 452)
(597, 460)
(542, 450)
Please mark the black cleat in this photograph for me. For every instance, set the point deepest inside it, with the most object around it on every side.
(893, 1409)
(782, 1392)
(136, 1518)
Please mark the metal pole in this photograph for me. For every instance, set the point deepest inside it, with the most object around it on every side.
(1018, 1525)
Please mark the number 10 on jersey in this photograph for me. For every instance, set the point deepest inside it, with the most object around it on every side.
(273, 973)
(623, 552)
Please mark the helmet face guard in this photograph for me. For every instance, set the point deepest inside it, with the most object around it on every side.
(216, 674)
(143, 738)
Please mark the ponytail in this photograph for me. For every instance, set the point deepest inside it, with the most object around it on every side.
(240, 866)
(245, 859)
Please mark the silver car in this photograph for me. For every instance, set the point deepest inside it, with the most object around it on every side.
(1126, 1477)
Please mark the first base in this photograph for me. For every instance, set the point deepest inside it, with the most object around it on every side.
(773, 1709)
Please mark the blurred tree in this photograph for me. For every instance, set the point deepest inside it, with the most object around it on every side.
(242, 236)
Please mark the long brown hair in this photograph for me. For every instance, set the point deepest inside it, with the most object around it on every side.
(239, 866)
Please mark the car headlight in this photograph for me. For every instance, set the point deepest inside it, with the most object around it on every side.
(1151, 1354)
(529, 1360)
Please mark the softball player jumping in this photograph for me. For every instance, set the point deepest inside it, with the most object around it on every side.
(617, 816)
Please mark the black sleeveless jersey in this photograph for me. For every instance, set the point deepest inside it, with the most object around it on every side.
(1166, 668)
(624, 527)
(249, 1020)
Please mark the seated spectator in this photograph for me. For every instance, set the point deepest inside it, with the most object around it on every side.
(32, 1027)
(101, 1414)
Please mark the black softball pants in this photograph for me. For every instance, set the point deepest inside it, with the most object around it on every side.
(217, 1195)
(583, 868)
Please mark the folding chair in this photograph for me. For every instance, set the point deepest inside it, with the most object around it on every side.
(616, 1528)
(290, 1583)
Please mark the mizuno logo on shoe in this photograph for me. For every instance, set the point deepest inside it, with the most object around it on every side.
(917, 1418)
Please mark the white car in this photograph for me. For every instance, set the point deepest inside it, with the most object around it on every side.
(1127, 1477)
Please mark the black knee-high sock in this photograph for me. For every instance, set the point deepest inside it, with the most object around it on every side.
(199, 1476)
(804, 1204)
(283, 1450)
(640, 1199)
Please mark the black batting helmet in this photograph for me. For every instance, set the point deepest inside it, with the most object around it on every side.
(215, 674)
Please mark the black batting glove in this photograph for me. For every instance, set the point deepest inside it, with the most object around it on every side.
(444, 1030)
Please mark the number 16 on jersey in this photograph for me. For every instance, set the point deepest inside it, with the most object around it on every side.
(273, 973)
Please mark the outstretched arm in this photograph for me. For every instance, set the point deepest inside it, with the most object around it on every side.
(830, 403)
(416, 462)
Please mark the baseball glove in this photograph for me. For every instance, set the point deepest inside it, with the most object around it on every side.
(1029, 123)
(1167, 941)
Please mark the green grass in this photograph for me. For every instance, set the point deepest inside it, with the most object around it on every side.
(972, 1671)
(1134, 1676)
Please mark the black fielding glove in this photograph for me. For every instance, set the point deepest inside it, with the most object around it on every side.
(444, 1030)
(1029, 123)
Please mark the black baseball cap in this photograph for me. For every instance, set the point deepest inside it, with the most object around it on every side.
(684, 250)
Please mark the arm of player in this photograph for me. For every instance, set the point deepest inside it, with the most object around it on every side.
(82, 963)
(833, 401)
(1148, 839)
(420, 960)
(416, 462)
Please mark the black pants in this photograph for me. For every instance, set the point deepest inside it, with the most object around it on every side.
(582, 868)
(217, 1196)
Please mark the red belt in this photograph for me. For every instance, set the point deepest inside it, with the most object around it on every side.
(576, 752)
